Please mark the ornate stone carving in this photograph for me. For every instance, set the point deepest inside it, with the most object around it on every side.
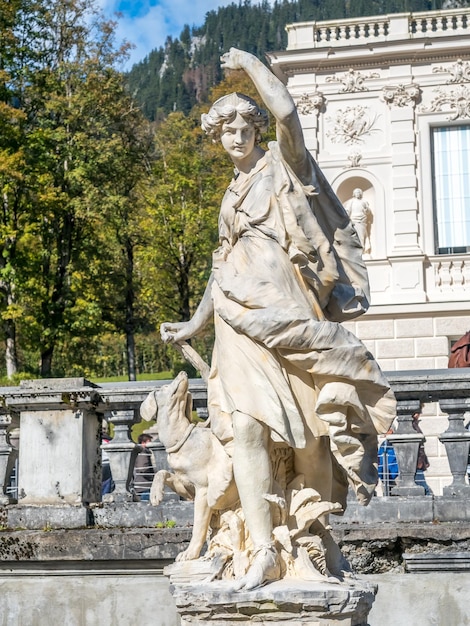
(459, 72)
(263, 467)
(352, 81)
(458, 101)
(310, 103)
(401, 95)
(351, 124)
(354, 158)
(361, 216)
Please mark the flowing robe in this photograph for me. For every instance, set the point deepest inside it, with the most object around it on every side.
(288, 265)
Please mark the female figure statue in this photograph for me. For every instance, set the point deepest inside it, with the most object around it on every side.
(361, 216)
(288, 268)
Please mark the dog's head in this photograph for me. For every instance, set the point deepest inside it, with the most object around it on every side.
(167, 399)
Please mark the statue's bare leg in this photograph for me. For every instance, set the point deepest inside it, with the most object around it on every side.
(252, 471)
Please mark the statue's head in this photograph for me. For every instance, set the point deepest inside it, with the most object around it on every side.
(357, 193)
(225, 110)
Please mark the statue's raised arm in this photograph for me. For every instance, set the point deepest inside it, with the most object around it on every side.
(279, 102)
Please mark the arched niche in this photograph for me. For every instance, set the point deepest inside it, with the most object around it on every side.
(344, 188)
(372, 192)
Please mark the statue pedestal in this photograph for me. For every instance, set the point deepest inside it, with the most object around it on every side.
(282, 603)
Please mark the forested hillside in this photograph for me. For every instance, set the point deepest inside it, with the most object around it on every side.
(178, 75)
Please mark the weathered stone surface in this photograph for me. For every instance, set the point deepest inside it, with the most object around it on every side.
(141, 514)
(93, 545)
(387, 508)
(41, 517)
(380, 548)
(284, 602)
(440, 561)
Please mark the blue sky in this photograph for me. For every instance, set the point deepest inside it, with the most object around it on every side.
(147, 23)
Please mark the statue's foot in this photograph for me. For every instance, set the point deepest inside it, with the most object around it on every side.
(264, 568)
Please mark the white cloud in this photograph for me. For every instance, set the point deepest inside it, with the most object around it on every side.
(150, 29)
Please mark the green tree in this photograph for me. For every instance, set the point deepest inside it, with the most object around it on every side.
(182, 200)
(12, 176)
(84, 148)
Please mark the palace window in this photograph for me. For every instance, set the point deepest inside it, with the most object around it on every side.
(451, 187)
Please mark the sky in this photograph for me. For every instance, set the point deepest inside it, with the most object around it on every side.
(147, 23)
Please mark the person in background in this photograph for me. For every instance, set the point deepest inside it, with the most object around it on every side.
(422, 463)
(144, 469)
(388, 465)
(107, 483)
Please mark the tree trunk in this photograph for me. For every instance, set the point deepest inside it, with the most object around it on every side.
(11, 360)
(129, 325)
(46, 362)
(130, 352)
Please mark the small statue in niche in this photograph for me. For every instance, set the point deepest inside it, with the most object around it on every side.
(361, 216)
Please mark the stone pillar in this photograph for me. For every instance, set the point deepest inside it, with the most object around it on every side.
(456, 440)
(406, 257)
(5, 455)
(406, 442)
(122, 453)
(161, 463)
(309, 105)
(59, 455)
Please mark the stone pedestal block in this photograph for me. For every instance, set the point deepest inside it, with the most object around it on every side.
(47, 517)
(59, 456)
(282, 603)
(142, 514)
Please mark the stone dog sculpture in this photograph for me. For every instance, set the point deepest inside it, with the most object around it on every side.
(295, 399)
(202, 471)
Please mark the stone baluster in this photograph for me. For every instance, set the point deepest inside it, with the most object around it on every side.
(5, 454)
(122, 452)
(406, 442)
(161, 463)
(456, 440)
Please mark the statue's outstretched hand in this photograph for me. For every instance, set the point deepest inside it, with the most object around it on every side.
(234, 59)
(176, 332)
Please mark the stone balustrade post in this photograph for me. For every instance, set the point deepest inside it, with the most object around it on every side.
(5, 455)
(59, 454)
(161, 463)
(122, 452)
(456, 440)
(406, 442)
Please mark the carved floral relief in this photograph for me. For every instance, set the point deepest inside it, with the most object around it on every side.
(457, 100)
(351, 125)
(352, 81)
(310, 103)
(459, 72)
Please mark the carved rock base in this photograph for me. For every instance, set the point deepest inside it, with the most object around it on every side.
(288, 602)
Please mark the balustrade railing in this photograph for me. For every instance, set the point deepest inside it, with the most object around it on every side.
(59, 450)
(379, 28)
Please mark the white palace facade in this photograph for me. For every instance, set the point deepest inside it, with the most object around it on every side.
(385, 106)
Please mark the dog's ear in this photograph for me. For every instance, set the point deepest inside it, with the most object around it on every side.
(189, 407)
(148, 408)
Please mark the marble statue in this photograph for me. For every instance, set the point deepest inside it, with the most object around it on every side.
(295, 400)
(361, 216)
